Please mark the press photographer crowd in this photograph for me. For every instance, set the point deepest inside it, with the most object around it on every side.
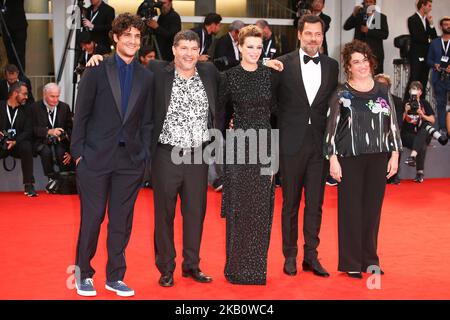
(43, 128)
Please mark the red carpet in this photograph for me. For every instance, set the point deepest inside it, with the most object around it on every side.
(39, 238)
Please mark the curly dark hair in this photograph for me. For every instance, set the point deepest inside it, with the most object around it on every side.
(360, 47)
(125, 21)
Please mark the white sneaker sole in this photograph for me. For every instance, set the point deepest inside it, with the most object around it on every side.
(120, 293)
(86, 293)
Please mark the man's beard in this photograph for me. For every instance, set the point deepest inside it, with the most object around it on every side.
(446, 31)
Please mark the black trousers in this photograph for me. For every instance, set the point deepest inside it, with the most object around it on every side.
(419, 71)
(48, 163)
(360, 197)
(19, 38)
(190, 182)
(419, 142)
(116, 187)
(23, 151)
(306, 171)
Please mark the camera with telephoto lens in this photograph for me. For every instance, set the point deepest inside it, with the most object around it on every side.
(413, 103)
(303, 7)
(7, 135)
(148, 9)
(442, 139)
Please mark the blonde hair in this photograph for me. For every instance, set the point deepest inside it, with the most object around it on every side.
(249, 31)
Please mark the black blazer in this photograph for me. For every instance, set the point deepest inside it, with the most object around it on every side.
(294, 110)
(99, 123)
(374, 37)
(23, 123)
(224, 48)
(15, 15)
(208, 38)
(102, 24)
(4, 89)
(420, 37)
(169, 26)
(40, 120)
(165, 73)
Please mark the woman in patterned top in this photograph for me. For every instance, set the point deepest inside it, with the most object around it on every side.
(361, 131)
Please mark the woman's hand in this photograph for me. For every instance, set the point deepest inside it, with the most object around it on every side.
(335, 168)
(94, 60)
(392, 165)
(274, 64)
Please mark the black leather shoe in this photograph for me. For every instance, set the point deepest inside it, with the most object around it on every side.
(197, 275)
(356, 275)
(290, 266)
(166, 280)
(316, 268)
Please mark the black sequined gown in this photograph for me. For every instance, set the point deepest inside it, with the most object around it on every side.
(248, 196)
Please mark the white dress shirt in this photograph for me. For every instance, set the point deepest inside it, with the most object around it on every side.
(312, 76)
(235, 47)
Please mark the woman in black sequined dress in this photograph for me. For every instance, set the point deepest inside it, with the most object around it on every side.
(248, 192)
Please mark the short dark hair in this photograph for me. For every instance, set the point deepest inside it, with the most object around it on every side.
(309, 18)
(211, 18)
(15, 87)
(11, 68)
(360, 47)
(125, 21)
(85, 37)
(422, 3)
(187, 35)
(145, 50)
(446, 18)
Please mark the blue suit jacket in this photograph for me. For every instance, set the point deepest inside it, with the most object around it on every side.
(434, 56)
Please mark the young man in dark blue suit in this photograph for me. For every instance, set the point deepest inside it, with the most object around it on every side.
(110, 142)
(438, 60)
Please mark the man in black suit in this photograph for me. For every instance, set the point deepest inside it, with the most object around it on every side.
(111, 142)
(210, 28)
(272, 48)
(98, 19)
(17, 25)
(12, 75)
(52, 127)
(184, 111)
(422, 31)
(88, 48)
(16, 132)
(302, 90)
(371, 27)
(226, 54)
(165, 28)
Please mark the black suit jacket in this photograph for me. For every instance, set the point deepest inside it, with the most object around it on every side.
(169, 26)
(4, 89)
(208, 38)
(165, 73)
(99, 123)
(23, 123)
(294, 110)
(102, 24)
(224, 48)
(40, 120)
(375, 36)
(15, 15)
(420, 37)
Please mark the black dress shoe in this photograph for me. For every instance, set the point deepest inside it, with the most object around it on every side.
(316, 268)
(166, 280)
(290, 267)
(197, 275)
(356, 275)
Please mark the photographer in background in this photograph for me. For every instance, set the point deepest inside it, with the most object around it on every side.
(98, 20)
(88, 48)
(146, 54)
(164, 27)
(317, 9)
(210, 28)
(417, 115)
(16, 133)
(438, 59)
(12, 75)
(370, 27)
(52, 126)
(226, 52)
